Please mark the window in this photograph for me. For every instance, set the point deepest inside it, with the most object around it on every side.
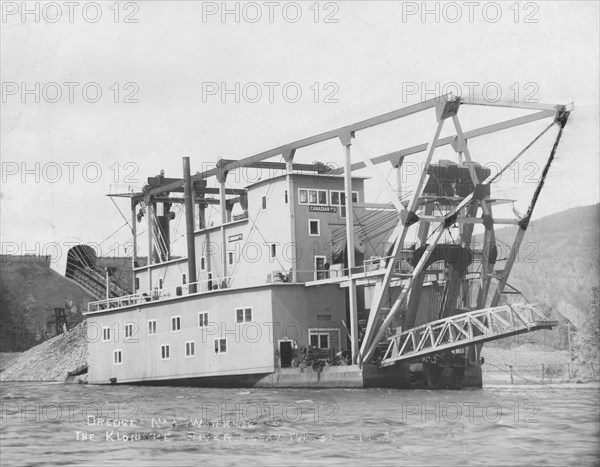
(320, 340)
(312, 197)
(324, 338)
(273, 250)
(338, 198)
(129, 330)
(105, 334)
(176, 323)
(183, 279)
(264, 202)
(202, 263)
(303, 196)
(322, 197)
(160, 283)
(203, 319)
(151, 327)
(190, 349)
(118, 357)
(335, 198)
(165, 352)
(320, 271)
(314, 229)
(137, 283)
(220, 346)
(285, 197)
(243, 315)
(230, 257)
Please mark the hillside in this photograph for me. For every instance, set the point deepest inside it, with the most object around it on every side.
(559, 264)
(29, 292)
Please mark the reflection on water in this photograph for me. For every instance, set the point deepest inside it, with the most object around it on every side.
(48, 424)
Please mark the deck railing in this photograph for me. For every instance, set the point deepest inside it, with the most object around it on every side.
(203, 286)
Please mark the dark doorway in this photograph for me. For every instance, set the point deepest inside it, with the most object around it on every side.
(285, 353)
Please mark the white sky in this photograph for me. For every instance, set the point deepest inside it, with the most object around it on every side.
(372, 55)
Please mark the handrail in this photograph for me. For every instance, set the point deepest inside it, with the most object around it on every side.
(202, 286)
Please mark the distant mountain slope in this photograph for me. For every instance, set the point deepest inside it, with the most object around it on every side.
(29, 292)
(559, 265)
(559, 260)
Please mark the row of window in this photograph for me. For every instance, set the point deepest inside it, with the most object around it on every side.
(220, 348)
(324, 197)
(242, 315)
(317, 197)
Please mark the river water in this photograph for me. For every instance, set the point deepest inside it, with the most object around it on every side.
(52, 424)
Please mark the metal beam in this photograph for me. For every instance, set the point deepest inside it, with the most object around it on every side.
(383, 286)
(392, 156)
(326, 136)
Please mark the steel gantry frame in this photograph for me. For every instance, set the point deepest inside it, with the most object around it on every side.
(446, 106)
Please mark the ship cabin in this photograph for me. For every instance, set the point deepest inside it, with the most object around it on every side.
(259, 299)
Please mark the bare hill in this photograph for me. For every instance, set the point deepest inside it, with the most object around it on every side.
(29, 292)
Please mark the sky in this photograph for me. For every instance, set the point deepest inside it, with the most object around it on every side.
(96, 97)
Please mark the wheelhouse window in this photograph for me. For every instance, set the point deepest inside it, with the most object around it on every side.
(312, 197)
(176, 323)
(285, 197)
(220, 346)
(202, 263)
(243, 315)
(303, 196)
(230, 258)
(273, 250)
(314, 227)
(118, 357)
(338, 198)
(203, 319)
(183, 279)
(165, 352)
(105, 334)
(190, 349)
(264, 202)
(151, 327)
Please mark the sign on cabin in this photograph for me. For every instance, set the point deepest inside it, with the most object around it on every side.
(322, 208)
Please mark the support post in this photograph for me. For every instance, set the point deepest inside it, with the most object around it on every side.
(223, 204)
(221, 178)
(107, 284)
(289, 165)
(150, 245)
(134, 238)
(189, 225)
(347, 142)
(399, 177)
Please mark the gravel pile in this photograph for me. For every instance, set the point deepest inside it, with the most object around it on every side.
(51, 361)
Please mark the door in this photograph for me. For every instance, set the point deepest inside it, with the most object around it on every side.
(285, 353)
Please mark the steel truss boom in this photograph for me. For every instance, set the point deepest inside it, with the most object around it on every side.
(464, 330)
